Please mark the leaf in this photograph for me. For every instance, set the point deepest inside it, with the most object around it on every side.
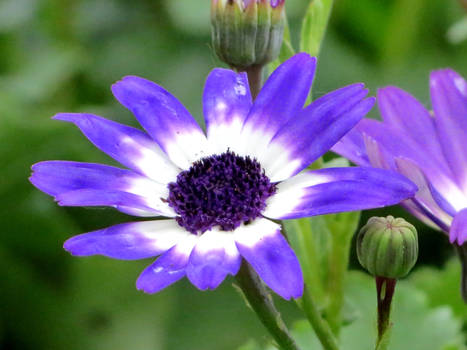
(314, 26)
(286, 52)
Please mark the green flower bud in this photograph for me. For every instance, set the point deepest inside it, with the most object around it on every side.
(247, 32)
(387, 247)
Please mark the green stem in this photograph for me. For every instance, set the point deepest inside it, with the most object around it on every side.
(261, 302)
(319, 324)
(385, 291)
(301, 237)
(338, 263)
(462, 252)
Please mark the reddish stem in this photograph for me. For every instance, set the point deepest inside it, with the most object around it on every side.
(385, 291)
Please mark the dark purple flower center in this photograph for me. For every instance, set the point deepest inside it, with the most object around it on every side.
(223, 190)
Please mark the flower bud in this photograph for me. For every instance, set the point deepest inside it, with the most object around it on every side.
(387, 247)
(247, 32)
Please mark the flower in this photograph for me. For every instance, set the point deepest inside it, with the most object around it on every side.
(219, 191)
(430, 148)
(247, 33)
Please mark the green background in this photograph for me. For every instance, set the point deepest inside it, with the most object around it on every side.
(62, 56)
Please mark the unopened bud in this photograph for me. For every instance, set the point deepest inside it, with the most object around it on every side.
(387, 247)
(246, 33)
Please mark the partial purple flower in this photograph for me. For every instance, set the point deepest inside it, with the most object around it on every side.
(430, 148)
(218, 191)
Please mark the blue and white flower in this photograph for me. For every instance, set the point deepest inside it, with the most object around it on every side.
(219, 191)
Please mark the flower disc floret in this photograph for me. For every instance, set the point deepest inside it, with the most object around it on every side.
(223, 190)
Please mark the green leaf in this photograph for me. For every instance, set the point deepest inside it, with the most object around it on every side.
(286, 52)
(314, 26)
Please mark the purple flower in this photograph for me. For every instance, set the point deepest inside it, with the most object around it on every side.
(219, 190)
(430, 148)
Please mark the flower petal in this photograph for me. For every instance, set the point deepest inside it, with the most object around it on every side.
(458, 230)
(449, 98)
(129, 146)
(392, 143)
(226, 102)
(168, 268)
(59, 177)
(337, 190)
(281, 98)
(266, 250)
(314, 131)
(403, 112)
(164, 118)
(426, 194)
(130, 241)
(213, 258)
(352, 147)
(126, 202)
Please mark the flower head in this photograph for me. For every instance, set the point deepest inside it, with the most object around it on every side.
(430, 148)
(219, 191)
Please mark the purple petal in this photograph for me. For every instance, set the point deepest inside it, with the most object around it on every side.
(352, 147)
(403, 112)
(213, 258)
(393, 143)
(315, 130)
(164, 118)
(168, 268)
(449, 98)
(335, 190)
(129, 146)
(281, 98)
(437, 180)
(57, 178)
(131, 241)
(226, 101)
(124, 201)
(458, 230)
(266, 250)
(426, 196)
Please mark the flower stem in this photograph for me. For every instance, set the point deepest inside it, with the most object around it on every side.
(339, 257)
(342, 227)
(462, 252)
(255, 77)
(385, 291)
(319, 324)
(261, 302)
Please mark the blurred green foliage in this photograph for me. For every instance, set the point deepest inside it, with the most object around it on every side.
(416, 324)
(62, 56)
